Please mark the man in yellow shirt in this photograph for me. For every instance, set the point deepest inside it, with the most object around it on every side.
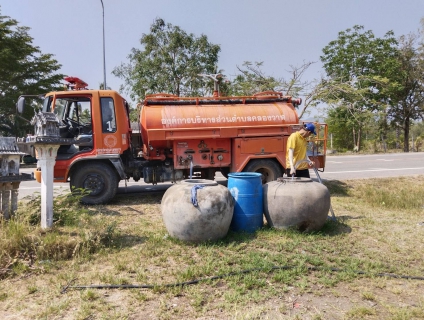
(297, 161)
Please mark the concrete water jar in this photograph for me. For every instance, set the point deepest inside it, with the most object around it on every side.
(298, 203)
(197, 210)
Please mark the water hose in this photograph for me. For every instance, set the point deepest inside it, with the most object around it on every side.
(197, 281)
(194, 194)
(320, 181)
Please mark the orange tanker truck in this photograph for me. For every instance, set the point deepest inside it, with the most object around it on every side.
(176, 138)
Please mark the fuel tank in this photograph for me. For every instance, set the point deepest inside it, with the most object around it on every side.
(167, 117)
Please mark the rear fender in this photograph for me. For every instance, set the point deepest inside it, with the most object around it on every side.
(249, 158)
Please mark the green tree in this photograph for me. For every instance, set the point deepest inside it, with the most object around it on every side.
(252, 79)
(24, 69)
(340, 126)
(102, 86)
(360, 69)
(408, 101)
(170, 61)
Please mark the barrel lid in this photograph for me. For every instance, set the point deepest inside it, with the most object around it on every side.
(244, 175)
(202, 182)
(294, 179)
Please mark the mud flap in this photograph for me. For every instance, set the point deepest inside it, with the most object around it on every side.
(119, 166)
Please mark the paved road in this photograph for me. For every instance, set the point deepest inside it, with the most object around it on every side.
(337, 168)
(373, 166)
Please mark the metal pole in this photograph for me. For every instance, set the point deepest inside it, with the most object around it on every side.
(331, 208)
(104, 57)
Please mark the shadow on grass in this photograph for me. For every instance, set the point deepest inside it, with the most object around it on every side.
(238, 237)
(337, 188)
(101, 238)
(345, 218)
(138, 198)
(128, 240)
(335, 228)
(330, 228)
(230, 239)
(106, 212)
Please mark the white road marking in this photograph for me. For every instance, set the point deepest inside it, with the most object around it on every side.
(397, 169)
(30, 188)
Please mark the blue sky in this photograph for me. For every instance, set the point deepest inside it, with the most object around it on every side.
(278, 32)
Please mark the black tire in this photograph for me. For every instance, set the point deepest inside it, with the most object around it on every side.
(269, 169)
(100, 178)
(225, 171)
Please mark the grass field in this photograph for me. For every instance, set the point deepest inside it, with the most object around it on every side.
(348, 270)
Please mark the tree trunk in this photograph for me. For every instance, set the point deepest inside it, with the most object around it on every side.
(406, 135)
(358, 140)
(397, 137)
(354, 138)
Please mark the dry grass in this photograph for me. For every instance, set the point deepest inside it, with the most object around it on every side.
(378, 231)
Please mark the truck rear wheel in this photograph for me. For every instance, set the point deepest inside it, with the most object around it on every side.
(98, 178)
(269, 169)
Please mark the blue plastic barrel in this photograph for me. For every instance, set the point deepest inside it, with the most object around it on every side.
(246, 189)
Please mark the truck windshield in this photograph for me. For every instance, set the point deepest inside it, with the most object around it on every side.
(59, 108)
(80, 111)
(47, 104)
(67, 108)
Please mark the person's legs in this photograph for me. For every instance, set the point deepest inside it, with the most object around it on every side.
(303, 173)
(299, 173)
(287, 172)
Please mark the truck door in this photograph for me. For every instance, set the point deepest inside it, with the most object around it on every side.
(110, 142)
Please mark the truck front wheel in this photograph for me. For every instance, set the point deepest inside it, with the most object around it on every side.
(99, 179)
(269, 169)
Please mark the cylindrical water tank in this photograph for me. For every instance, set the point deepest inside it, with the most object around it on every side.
(197, 210)
(298, 203)
(246, 188)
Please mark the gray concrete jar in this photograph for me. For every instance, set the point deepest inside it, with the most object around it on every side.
(298, 203)
(209, 220)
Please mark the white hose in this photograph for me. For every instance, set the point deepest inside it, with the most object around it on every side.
(191, 169)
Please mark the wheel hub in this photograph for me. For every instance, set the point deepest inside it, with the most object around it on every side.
(94, 183)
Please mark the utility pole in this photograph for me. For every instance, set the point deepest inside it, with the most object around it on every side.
(104, 57)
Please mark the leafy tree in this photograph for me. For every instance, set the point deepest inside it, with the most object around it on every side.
(102, 86)
(24, 70)
(252, 80)
(359, 70)
(408, 102)
(170, 61)
(341, 127)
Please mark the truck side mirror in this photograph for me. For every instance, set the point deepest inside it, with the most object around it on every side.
(20, 105)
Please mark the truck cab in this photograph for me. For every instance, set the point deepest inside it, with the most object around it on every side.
(97, 121)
